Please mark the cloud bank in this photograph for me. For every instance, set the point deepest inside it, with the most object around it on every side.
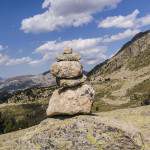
(8, 61)
(65, 13)
(93, 50)
(129, 21)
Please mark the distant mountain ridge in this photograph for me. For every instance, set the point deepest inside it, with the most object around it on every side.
(13, 84)
(23, 82)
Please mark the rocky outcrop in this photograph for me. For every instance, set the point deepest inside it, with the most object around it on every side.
(126, 129)
(79, 133)
(73, 95)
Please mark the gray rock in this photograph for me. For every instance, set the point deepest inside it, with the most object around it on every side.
(73, 96)
(68, 57)
(66, 69)
(100, 131)
(71, 101)
(71, 82)
(68, 50)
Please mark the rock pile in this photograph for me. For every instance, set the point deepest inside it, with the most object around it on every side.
(73, 96)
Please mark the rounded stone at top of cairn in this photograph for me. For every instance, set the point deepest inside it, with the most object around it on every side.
(68, 55)
(67, 50)
(67, 66)
(78, 96)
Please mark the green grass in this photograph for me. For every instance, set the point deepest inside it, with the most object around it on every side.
(31, 95)
(101, 106)
(107, 87)
(140, 92)
(29, 109)
(137, 95)
(14, 117)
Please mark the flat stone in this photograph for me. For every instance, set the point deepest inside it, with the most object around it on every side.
(68, 57)
(76, 100)
(71, 82)
(66, 69)
(68, 50)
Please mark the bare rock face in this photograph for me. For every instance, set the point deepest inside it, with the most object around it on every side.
(71, 82)
(73, 96)
(66, 69)
(71, 101)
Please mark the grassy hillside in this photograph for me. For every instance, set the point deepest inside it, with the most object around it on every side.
(25, 108)
(123, 80)
(27, 95)
(19, 116)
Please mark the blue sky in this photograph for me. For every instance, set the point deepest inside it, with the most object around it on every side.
(33, 32)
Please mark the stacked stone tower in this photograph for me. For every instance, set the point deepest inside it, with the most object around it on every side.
(73, 96)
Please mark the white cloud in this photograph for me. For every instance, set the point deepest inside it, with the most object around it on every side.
(65, 13)
(18, 61)
(120, 21)
(122, 35)
(2, 47)
(88, 48)
(3, 59)
(129, 21)
(145, 20)
(8, 61)
(84, 44)
(92, 49)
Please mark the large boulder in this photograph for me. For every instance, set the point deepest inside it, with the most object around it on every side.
(123, 129)
(75, 100)
(68, 57)
(66, 69)
(71, 82)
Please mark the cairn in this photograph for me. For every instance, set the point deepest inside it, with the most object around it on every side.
(73, 96)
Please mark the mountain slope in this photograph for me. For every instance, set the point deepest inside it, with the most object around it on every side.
(124, 79)
(131, 52)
